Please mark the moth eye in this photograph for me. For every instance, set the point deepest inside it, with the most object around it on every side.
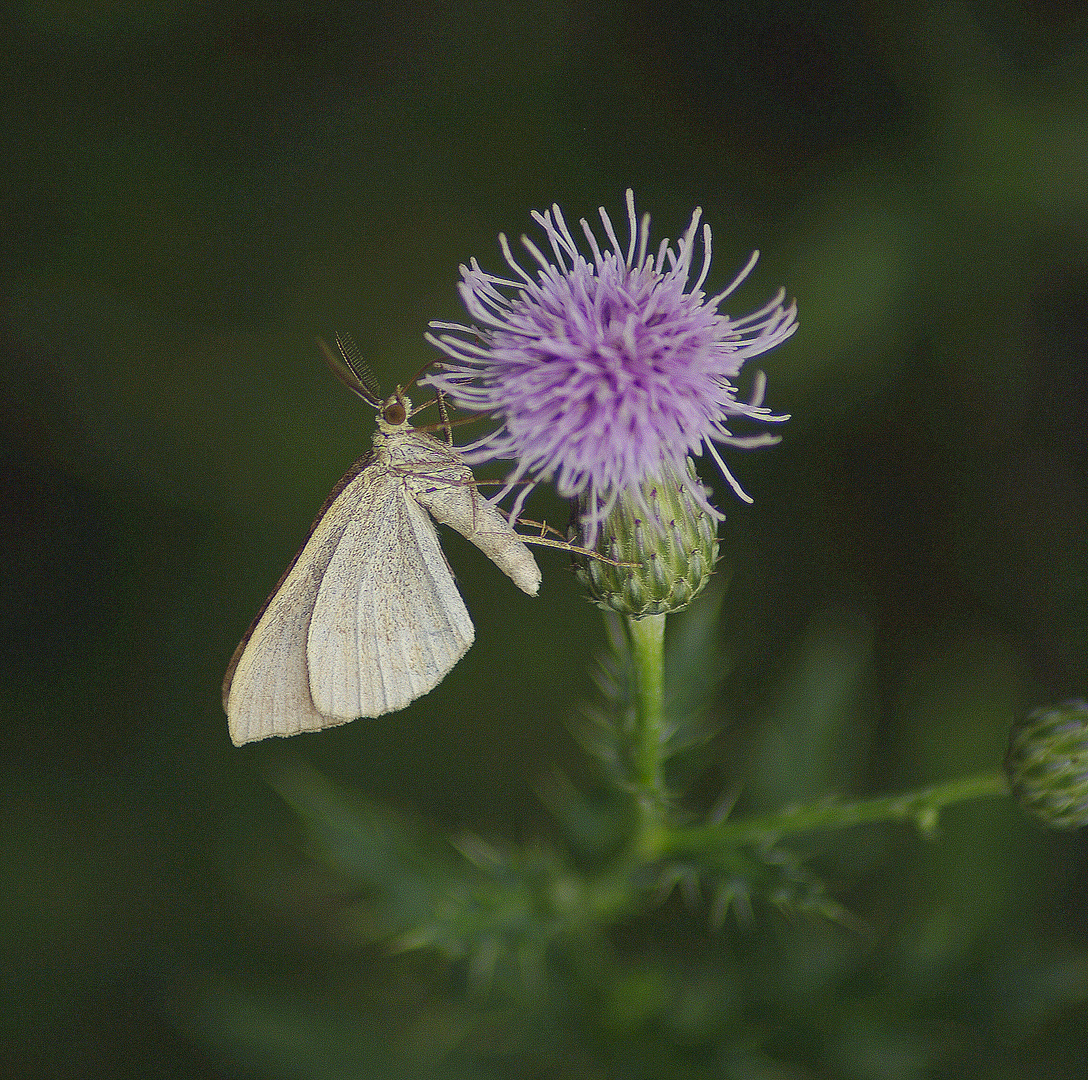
(395, 414)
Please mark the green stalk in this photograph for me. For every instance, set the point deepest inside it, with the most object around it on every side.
(922, 807)
(647, 637)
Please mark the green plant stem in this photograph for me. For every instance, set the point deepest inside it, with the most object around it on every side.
(922, 807)
(648, 653)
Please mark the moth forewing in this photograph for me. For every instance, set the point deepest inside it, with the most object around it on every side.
(388, 623)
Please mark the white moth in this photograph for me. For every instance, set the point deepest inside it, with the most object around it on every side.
(367, 617)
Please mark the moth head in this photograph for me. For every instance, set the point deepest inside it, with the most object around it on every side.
(348, 366)
(395, 412)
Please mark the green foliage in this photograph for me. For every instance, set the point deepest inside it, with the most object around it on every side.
(585, 939)
(503, 909)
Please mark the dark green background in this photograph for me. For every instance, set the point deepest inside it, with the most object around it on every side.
(194, 190)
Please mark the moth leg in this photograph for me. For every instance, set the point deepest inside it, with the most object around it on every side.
(444, 412)
(543, 540)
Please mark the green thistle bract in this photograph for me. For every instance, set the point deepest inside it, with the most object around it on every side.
(667, 533)
(1047, 764)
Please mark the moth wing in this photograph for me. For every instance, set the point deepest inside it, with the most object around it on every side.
(463, 508)
(445, 486)
(266, 690)
(388, 622)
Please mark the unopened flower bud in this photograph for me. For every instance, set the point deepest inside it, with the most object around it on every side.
(1047, 764)
(666, 534)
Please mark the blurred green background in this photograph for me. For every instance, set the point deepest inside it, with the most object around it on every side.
(195, 190)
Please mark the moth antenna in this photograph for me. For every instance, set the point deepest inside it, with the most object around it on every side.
(357, 365)
(349, 367)
(412, 381)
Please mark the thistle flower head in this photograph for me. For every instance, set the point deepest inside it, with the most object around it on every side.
(607, 370)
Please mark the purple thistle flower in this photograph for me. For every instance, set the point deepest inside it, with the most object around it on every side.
(609, 372)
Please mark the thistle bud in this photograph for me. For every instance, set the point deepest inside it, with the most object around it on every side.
(1047, 764)
(663, 530)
